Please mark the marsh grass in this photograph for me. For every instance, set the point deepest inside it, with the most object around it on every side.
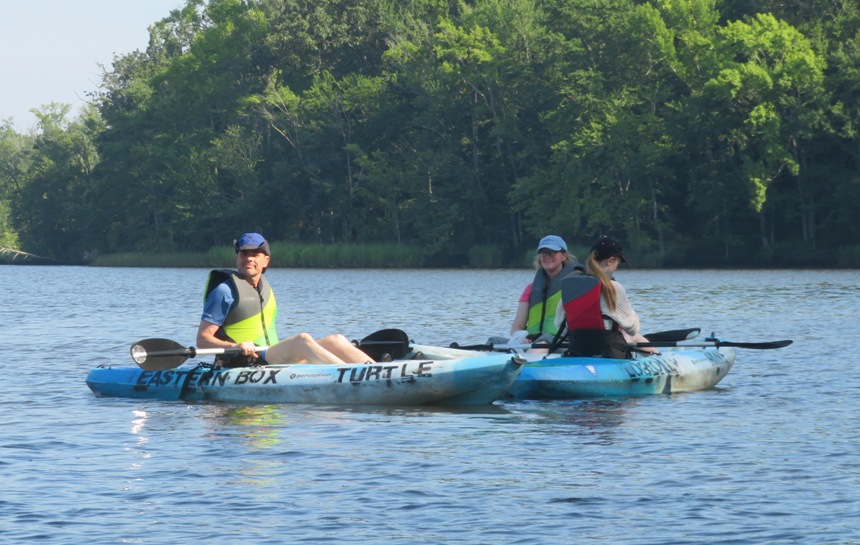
(346, 256)
(391, 256)
(311, 256)
(487, 256)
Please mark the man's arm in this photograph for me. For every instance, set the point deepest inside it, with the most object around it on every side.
(214, 313)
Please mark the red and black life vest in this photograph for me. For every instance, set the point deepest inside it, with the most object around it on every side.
(587, 332)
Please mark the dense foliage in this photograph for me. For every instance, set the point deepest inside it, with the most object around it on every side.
(698, 132)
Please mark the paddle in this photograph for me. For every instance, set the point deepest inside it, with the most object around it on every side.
(161, 354)
(661, 344)
(660, 336)
(715, 343)
(169, 354)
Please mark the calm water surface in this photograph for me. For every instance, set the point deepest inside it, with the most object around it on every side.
(770, 456)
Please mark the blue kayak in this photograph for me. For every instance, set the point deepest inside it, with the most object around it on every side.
(675, 370)
(426, 376)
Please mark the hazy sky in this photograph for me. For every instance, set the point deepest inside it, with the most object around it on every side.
(50, 50)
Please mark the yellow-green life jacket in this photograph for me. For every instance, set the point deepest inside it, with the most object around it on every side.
(544, 300)
(253, 316)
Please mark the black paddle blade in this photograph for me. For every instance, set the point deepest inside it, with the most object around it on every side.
(170, 354)
(674, 335)
(394, 342)
(756, 346)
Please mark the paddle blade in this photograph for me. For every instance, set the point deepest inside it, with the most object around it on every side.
(168, 354)
(758, 346)
(674, 335)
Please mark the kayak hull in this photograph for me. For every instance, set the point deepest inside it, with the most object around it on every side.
(675, 370)
(439, 377)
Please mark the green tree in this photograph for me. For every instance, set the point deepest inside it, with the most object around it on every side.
(825, 196)
(16, 152)
(756, 111)
(671, 124)
(51, 211)
(610, 141)
(472, 93)
(171, 111)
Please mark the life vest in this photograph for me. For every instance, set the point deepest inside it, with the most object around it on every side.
(587, 331)
(253, 316)
(544, 300)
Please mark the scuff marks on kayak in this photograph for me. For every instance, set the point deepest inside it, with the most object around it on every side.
(650, 367)
(656, 366)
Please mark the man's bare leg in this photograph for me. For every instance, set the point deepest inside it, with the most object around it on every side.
(341, 347)
(301, 348)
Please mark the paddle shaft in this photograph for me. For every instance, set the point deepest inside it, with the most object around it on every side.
(192, 352)
(161, 354)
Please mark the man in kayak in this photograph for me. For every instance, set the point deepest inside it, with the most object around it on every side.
(240, 311)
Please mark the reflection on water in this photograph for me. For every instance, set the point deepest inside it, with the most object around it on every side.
(260, 425)
(584, 422)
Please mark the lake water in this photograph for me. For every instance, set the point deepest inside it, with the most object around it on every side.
(772, 455)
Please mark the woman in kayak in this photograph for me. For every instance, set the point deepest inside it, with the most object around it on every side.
(540, 299)
(598, 314)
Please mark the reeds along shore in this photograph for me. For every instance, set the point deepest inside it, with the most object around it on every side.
(332, 256)
(340, 256)
(388, 256)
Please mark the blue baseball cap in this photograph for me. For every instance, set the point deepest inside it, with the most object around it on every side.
(252, 241)
(552, 242)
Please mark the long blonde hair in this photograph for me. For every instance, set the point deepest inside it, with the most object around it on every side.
(592, 266)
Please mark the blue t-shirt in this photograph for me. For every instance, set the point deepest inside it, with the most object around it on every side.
(218, 304)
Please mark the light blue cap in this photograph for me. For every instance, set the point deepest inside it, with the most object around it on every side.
(552, 242)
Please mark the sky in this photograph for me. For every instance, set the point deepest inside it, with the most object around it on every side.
(50, 50)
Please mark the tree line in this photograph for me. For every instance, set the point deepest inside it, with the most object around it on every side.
(697, 132)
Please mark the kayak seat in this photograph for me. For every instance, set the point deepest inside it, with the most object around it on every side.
(597, 343)
(385, 344)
